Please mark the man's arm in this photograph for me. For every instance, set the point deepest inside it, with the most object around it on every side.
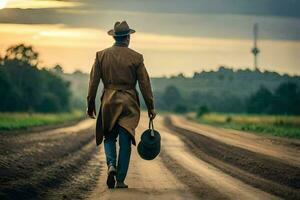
(145, 87)
(95, 76)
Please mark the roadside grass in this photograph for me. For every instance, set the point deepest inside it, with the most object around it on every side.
(277, 125)
(17, 121)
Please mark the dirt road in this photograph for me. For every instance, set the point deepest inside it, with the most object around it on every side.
(196, 162)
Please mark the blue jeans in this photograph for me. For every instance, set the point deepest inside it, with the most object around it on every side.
(124, 151)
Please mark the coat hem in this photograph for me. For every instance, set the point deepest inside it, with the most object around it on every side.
(132, 137)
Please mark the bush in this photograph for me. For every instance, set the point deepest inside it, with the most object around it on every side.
(228, 119)
(202, 110)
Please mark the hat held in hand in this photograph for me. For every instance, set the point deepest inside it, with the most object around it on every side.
(149, 146)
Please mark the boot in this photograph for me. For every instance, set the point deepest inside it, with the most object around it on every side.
(110, 182)
(121, 185)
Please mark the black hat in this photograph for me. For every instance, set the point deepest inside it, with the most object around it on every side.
(149, 146)
(121, 29)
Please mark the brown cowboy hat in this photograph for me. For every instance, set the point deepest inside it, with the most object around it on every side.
(121, 29)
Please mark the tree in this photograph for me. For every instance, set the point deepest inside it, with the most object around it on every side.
(172, 97)
(181, 75)
(1, 60)
(78, 72)
(202, 110)
(58, 69)
(49, 103)
(10, 96)
(59, 88)
(22, 53)
(24, 87)
(20, 63)
(260, 101)
(27, 81)
(286, 99)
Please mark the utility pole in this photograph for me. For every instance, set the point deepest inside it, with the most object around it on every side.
(255, 49)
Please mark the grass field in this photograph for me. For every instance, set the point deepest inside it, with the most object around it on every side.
(283, 126)
(16, 121)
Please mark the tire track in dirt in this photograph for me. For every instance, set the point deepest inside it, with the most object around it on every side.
(225, 184)
(197, 185)
(47, 160)
(40, 155)
(16, 142)
(79, 185)
(51, 176)
(146, 180)
(17, 146)
(252, 168)
(281, 149)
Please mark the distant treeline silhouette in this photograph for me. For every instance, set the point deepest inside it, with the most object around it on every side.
(224, 90)
(228, 90)
(25, 87)
(285, 100)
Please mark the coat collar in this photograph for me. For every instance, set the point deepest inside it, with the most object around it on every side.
(121, 44)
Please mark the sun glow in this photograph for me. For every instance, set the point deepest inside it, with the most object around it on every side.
(74, 48)
(25, 4)
(2, 3)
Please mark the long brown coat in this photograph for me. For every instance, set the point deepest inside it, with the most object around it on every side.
(119, 68)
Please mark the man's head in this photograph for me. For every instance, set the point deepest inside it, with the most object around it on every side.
(122, 39)
(121, 32)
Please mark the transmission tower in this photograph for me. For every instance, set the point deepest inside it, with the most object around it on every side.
(255, 49)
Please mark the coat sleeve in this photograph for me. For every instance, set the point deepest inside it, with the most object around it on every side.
(145, 85)
(95, 76)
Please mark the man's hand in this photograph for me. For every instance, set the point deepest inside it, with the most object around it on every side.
(151, 114)
(91, 110)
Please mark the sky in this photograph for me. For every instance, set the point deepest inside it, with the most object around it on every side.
(175, 36)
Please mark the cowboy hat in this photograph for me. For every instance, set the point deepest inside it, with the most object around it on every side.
(121, 29)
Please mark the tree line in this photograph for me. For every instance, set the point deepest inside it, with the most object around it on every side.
(284, 100)
(28, 88)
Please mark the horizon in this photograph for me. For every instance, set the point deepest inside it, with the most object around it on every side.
(177, 38)
(202, 71)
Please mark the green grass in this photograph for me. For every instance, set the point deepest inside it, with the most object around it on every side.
(277, 125)
(16, 121)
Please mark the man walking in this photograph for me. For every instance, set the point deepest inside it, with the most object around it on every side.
(119, 68)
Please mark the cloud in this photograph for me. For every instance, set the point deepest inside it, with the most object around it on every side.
(178, 24)
(288, 8)
(37, 4)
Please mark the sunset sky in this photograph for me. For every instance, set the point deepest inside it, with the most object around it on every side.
(174, 35)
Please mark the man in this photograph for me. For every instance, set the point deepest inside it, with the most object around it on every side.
(119, 68)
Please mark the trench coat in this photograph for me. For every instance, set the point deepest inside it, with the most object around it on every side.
(119, 68)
